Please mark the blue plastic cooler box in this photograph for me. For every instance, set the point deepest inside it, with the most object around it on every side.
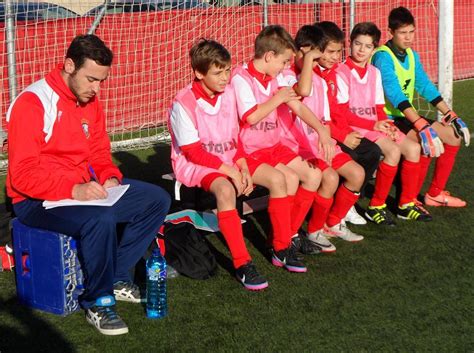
(48, 273)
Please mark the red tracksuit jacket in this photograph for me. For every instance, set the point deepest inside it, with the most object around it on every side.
(52, 139)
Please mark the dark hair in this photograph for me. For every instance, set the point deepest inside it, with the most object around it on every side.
(207, 52)
(89, 46)
(367, 29)
(400, 17)
(332, 33)
(309, 36)
(273, 38)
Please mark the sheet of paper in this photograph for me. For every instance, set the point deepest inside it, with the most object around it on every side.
(114, 194)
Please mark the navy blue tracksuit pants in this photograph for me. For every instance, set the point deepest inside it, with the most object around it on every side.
(104, 261)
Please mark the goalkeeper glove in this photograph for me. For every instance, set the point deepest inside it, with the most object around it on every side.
(459, 126)
(430, 142)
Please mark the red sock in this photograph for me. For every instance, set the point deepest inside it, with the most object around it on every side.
(383, 182)
(424, 166)
(343, 201)
(279, 212)
(231, 228)
(319, 212)
(443, 168)
(302, 203)
(409, 177)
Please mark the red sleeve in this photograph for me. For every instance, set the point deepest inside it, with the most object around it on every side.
(338, 132)
(196, 154)
(354, 120)
(27, 175)
(247, 113)
(381, 115)
(240, 152)
(101, 157)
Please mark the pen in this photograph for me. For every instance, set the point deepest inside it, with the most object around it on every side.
(92, 173)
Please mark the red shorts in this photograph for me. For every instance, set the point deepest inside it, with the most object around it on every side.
(207, 181)
(337, 162)
(275, 154)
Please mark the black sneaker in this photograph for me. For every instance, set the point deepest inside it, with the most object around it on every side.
(287, 258)
(380, 215)
(411, 212)
(103, 316)
(127, 292)
(247, 274)
(300, 243)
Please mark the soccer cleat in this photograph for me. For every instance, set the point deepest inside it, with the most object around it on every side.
(247, 274)
(321, 241)
(444, 199)
(341, 231)
(127, 292)
(300, 243)
(420, 206)
(354, 217)
(287, 258)
(411, 212)
(380, 215)
(103, 317)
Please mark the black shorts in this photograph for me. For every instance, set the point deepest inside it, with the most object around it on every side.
(405, 125)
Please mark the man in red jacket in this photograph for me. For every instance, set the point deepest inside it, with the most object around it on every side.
(59, 149)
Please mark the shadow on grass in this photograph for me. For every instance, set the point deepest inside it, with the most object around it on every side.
(31, 333)
(151, 167)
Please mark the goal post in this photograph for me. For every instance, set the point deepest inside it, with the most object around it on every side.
(446, 50)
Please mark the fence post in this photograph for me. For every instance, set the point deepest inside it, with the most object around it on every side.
(445, 50)
(352, 15)
(10, 41)
(265, 13)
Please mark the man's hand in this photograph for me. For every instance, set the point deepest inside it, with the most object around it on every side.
(111, 182)
(352, 140)
(88, 191)
(459, 126)
(431, 144)
(286, 94)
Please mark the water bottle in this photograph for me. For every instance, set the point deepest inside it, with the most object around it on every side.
(156, 305)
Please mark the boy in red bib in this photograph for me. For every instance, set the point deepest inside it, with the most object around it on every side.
(264, 98)
(207, 152)
(362, 150)
(361, 86)
(327, 208)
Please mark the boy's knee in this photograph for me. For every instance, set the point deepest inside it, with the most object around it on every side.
(225, 192)
(312, 178)
(330, 178)
(291, 178)
(356, 176)
(413, 151)
(278, 181)
(393, 153)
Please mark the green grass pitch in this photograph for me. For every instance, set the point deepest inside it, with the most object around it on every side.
(406, 289)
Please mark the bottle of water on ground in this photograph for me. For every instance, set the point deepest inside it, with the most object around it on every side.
(156, 304)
